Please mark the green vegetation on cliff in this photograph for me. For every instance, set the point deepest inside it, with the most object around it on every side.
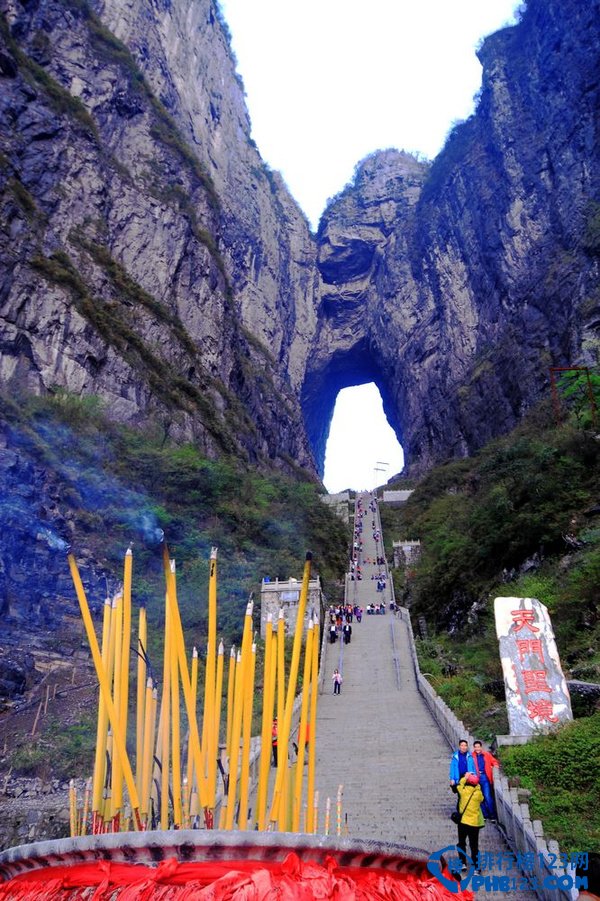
(561, 771)
(522, 515)
(522, 519)
(120, 485)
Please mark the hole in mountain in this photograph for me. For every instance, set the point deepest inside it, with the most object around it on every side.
(362, 449)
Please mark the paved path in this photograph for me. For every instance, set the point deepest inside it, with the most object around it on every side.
(378, 738)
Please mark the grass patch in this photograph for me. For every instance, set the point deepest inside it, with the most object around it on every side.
(562, 769)
(176, 195)
(61, 100)
(481, 520)
(61, 752)
(468, 676)
(117, 482)
(129, 290)
(106, 318)
(24, 198)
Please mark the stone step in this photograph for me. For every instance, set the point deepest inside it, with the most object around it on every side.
(378, 739)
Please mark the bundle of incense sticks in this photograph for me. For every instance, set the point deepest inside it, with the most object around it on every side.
(166, 786)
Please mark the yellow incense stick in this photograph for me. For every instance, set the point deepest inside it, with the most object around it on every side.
(302, 729)
(165, 754)
(208, 727)
(126, 643)
(338, 807)
(230, 698)
(141, 698)
(102, 727)
(247, 729)
(284, 731)
(238, 707)
(218, 702)
(185, 679)
(118, 737)
(265, 735)
(117, 779)
(86, 807)
(107, 812)
(311, 825)
(280, 667)
(110, 673)
(145, 764)
(236, 729)
(155, 761)
(72, 809)
(194, 690)
(176, 734)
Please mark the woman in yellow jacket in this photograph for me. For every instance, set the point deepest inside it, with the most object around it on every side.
(470, 798)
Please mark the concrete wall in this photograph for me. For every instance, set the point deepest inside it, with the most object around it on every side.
(406, 552)
(285, 595)
(396, 497)
(339, 503)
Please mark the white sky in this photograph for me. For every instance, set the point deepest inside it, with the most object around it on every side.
(328, 82)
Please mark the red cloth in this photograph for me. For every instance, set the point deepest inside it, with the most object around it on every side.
(231, 880)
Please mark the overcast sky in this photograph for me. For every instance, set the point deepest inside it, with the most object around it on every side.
(328, 82)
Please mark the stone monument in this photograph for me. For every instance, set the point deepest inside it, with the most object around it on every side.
(537, 697)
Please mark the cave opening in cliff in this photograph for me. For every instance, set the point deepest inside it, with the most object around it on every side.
(362, 449)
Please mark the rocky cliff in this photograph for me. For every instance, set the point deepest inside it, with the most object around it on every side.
(456, 286)
(151, 258)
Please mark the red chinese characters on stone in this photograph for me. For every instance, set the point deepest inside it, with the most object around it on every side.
(535, 680)
(542, 709)
(524, 619)
(527, 646)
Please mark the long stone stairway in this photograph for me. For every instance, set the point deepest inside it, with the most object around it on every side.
(377, 738)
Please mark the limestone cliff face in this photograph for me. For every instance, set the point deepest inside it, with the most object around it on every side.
(456, 286)
(149, 255)
(151, 258)
(369, 299)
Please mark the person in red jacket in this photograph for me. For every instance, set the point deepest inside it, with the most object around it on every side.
(484, 765)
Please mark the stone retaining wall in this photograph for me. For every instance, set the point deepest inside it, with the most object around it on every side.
(524, 835)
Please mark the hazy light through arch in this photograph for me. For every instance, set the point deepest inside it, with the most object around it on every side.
(360, 441)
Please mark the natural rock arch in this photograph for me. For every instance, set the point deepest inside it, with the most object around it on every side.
(343, 369)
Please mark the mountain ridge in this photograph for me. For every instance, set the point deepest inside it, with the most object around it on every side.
(151, 261)
(131, 183)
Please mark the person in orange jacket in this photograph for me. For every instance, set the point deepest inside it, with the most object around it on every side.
(484, 765)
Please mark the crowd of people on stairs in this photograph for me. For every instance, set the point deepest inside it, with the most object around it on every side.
(341, 616)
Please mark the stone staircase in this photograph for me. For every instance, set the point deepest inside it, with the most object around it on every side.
(378, 738)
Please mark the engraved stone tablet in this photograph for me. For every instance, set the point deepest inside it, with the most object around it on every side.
(537, 697)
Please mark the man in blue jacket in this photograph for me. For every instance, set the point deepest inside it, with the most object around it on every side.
(462, 762)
